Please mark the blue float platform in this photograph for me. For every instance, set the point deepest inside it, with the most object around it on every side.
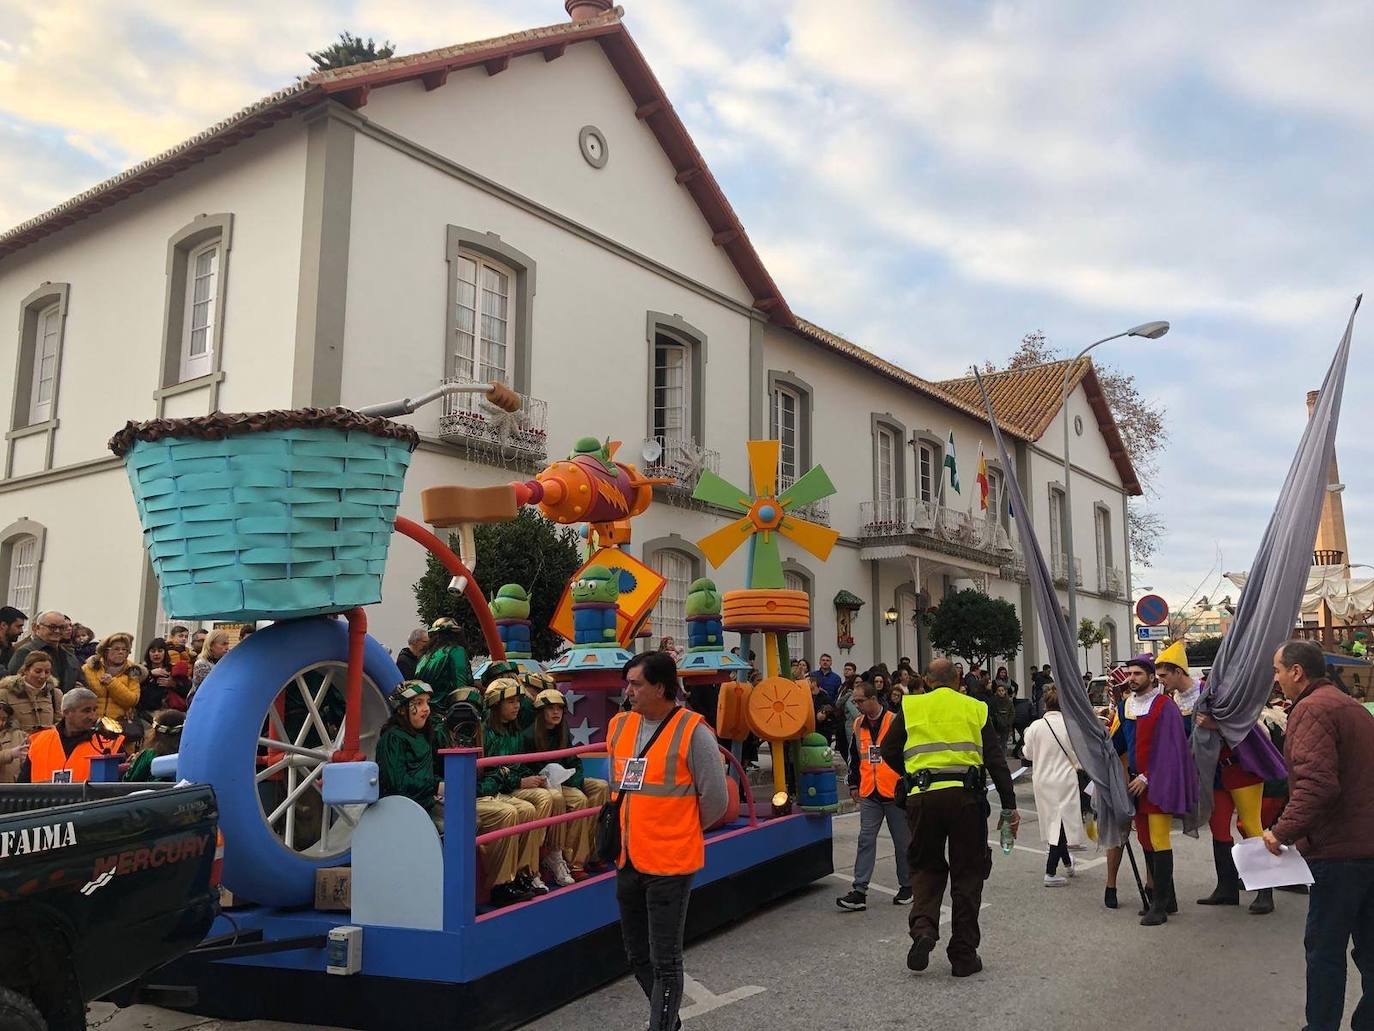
(473, 973)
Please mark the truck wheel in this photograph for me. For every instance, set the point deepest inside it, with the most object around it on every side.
(18, 1013)
(260, 731)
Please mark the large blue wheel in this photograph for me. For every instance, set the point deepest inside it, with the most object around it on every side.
(260, 731)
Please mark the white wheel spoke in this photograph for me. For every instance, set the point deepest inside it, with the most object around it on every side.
(312, 704)
(286, 746)
(294, 793)
(289, 836)
(269, 771)
(278, 726)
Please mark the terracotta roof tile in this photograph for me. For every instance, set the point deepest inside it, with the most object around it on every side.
(1026, 401)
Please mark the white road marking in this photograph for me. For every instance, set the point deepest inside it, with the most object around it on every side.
(704, 1001)
(848, 879)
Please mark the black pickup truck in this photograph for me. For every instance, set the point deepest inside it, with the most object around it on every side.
(99, 884)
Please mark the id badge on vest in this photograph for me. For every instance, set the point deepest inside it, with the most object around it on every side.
(61, 776)
(633, 777)
(875, 754)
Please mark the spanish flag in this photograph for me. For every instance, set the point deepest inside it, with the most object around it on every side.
(982, 479)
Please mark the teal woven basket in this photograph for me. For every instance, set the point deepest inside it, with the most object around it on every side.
(267, 524)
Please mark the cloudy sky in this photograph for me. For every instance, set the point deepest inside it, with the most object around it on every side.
(929, 180)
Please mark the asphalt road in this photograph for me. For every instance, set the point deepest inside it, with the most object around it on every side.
(1054, 958)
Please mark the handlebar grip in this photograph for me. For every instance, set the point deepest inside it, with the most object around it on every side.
(503, 397)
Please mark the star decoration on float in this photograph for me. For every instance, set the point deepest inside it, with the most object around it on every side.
(619, 699)
(766, 514)
(582, 733)
(573, 698)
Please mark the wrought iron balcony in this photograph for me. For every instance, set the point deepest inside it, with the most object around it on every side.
(512, 439)
(1014, 566)
(912, 517)
(817, 511)
(681, 460)
(1111, 582)
(1059, 569)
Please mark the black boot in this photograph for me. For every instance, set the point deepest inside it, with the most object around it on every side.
(1227, 891)
(1164, 886)
(1149, 891)
(1264, 902)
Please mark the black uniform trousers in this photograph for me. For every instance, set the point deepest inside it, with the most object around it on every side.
(956, 818)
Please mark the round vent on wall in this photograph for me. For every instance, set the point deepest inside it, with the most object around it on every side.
(593, 146)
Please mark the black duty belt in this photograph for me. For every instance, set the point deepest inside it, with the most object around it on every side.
(973, 778)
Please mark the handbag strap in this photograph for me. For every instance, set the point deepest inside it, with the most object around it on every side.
(1050, 727)
(620, 795)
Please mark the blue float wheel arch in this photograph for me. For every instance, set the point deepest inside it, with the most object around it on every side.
(220, 741)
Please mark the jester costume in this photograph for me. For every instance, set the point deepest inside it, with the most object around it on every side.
(1237, 789)
(1150, 737)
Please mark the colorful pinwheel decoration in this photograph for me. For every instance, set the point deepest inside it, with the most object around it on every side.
(765, 513)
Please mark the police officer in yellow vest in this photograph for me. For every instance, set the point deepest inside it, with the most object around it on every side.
(945, 747)
(873, 784)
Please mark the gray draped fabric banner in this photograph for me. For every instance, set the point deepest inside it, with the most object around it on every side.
(1242, 676)
(1094, 749)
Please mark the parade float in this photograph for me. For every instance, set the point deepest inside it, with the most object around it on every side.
(288, 516)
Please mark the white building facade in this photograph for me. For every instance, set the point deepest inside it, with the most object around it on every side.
(526, 209)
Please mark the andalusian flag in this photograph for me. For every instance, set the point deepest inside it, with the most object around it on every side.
(951, 464)
(982, 479)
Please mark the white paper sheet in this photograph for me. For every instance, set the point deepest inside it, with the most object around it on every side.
(556, 774)
(1260, 868)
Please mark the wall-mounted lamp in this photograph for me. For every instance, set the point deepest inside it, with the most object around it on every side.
(890, 616)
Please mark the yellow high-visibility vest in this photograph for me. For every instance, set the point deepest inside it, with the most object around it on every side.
(944, 733)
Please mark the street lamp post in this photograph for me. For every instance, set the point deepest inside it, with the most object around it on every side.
(1149, 331)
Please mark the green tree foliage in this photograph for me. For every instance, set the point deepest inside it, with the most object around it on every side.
(1090, 635)
(1144, 430)
(1203, 651)
(975, 627)
(350, 49)
(530, 551)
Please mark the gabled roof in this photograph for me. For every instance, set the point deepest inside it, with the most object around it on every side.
(1026, 401)
(352, 85)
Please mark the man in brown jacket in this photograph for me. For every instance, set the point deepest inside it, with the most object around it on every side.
(1329, 748)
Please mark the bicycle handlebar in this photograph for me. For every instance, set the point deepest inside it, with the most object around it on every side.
(498, 394)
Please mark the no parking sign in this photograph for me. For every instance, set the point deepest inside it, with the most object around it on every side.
(1152, 610)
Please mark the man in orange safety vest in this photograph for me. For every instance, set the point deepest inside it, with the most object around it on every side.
(874, 785)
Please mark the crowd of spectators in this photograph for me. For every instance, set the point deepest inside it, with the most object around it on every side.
(89, 696)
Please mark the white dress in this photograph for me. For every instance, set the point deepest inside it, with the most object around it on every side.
(1054, 776)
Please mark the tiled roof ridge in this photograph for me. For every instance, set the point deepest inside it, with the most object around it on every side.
(1000, 375)
(539, 34)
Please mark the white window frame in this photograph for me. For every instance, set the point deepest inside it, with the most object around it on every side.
(194, 366)
(23, 575)
(474, 367)
(670, 614)
(788, 467)
(1056, 523)
(886, 486)
(796, 642)
(1102, 532)
(670, 358)
(997, 503)
(927, 462)
(47, 331)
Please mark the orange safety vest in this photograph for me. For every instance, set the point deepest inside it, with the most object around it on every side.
(871, 772)
(660, 824)
(47, 757)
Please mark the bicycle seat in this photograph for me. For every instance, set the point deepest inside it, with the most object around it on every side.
(454, 505)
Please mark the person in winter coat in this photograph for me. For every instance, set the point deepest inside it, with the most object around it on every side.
(1004, 679)
(1057, 805)
(114, 679)
(216, 647)
(163, 688)
(14, 745)
(163, 738)
(47, 631)
(33, 694)
(1003, 715)
(408, 751)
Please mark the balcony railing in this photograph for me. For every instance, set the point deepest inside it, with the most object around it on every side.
(681, 460)
(817, 511)
(1111, 582)
(1014, 566)
(901, 517)
(495, 436)
(1059, 569)
(1327, 557)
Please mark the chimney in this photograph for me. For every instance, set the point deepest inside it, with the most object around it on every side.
(581, 10)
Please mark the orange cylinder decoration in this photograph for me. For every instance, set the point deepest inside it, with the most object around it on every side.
(732, 711)
(779, 709)
(732, 805)
(766, 610)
